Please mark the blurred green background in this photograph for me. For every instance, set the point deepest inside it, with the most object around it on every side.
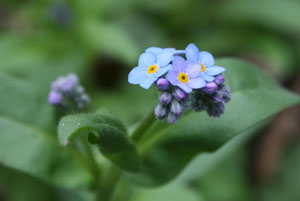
(101, 40)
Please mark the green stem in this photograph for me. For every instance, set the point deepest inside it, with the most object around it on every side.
(145, 124)
(90, 156)
(110, 180)
(108, 184)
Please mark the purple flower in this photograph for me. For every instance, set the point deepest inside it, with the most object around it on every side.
(152, 64)
(185, 75)
(206, 62)
(67, 92)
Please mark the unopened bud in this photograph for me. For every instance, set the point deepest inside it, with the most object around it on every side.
(162, 84)
(165, 98)
(210, 88)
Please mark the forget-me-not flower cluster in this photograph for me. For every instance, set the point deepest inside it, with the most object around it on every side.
(195, 78)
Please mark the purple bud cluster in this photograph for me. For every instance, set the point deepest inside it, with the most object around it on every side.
(172, 102)
(211, 98)
(66, 92)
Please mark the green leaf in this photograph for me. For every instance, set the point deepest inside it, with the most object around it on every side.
(167, 149)
(23, 101)
(172, 192)
(109, 134)
(267, 13)
(31, 151)
(25, 147)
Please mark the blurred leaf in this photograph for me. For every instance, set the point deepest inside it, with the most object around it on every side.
(28, 188)
(169, 192)
(277, 14)
(276, 53)
(111, 137)
(19, 54)
(109, 38)
(27, 149)
(23, 101)
(204, 163)
(166, 149)
(229, 180)
(23, 111)
(285, 183)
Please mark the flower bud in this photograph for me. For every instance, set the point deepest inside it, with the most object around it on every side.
(176, 108)
(54, 98)
(216, 110)
(165, 98)
(217, 98)
(179, 94)
(160, 111)
(210, 88)
(162, 84)
(172, 118)
(219, 79)
(225, 94)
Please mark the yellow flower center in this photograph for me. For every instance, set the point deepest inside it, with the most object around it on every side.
(152, 69)
(182, 77)
(202, 67)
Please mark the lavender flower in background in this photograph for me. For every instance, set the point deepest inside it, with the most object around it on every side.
(60, 14)
(67, 93)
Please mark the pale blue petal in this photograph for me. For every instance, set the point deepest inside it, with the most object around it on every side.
(184, 87)
(172, 77)
(192, 53)
(193, 70)
(215, 70)
(147, 82)
(147, 59)
(196, 83)
(165, 57)
(162, 70)
(136, 75)
(179, 64)
(206, 77)
(155, 50)
(206, 58)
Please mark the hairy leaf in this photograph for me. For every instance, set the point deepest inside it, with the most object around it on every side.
(25, 146)
(31, 151)
(108, 133)
(167, 149)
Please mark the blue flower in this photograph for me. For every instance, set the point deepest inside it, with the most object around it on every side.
(185, 75)
(152, 64)
(206, 62)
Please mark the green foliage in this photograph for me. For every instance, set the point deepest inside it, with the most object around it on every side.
(24, 102)
(29, 150)
(166, 150)
(107, 132)
(24, 146)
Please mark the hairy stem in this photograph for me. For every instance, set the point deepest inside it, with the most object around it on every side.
(108, 184)
(141, 129)
(90, 156)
